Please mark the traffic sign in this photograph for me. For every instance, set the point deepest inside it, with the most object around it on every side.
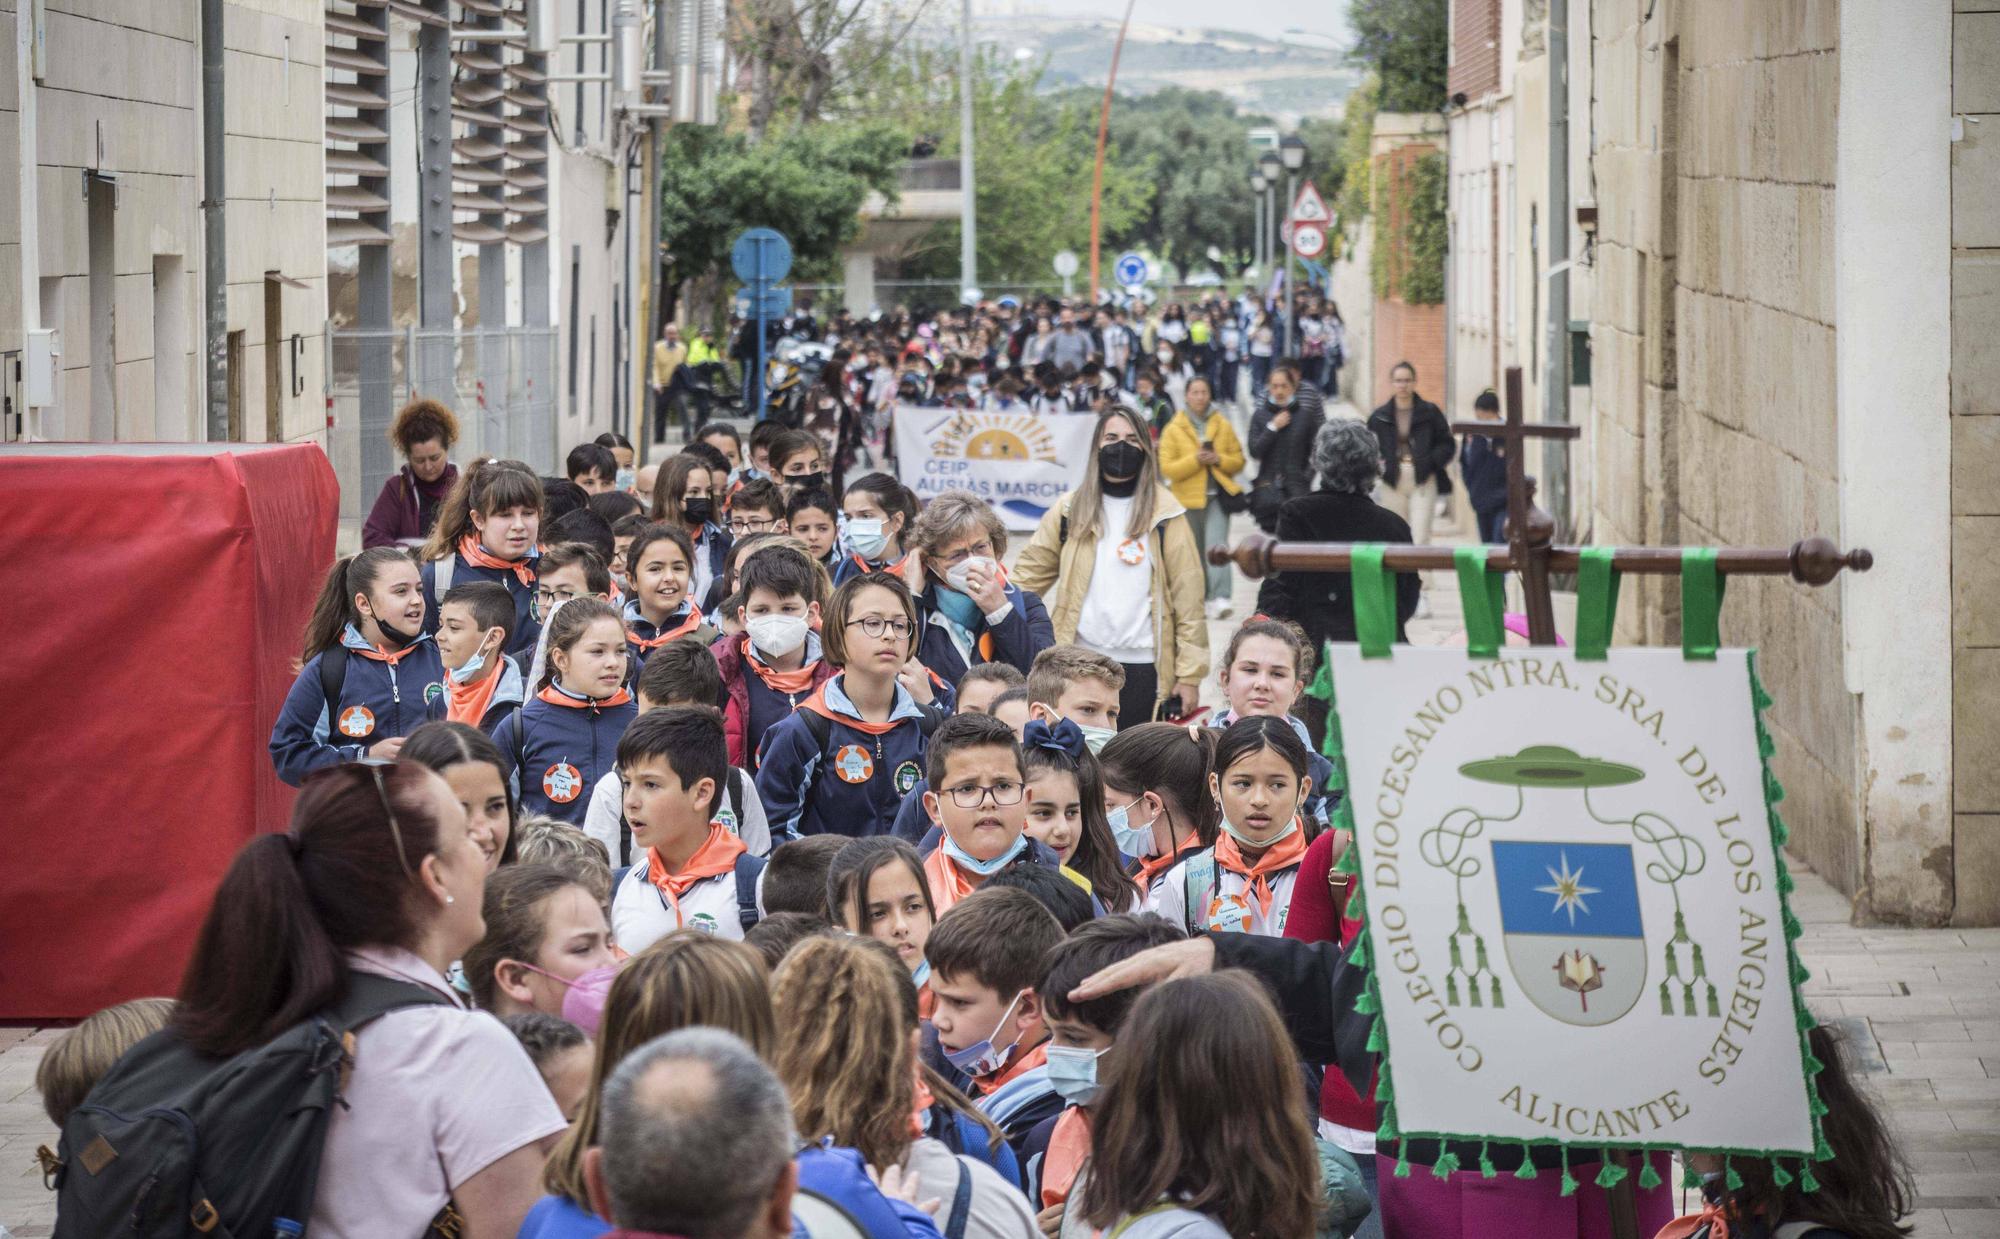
(1130, 269)
(1065, 263)
(1308, 240)
(761, 255)
(774, 302)
(1309, 207)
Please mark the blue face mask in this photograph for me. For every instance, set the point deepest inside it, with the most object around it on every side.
(1135, 841)
(982, 1059)
(868, 537)
(1073, 1073)
(959, 608)
(470, 671)
(984, 868)
(625, 479)
(922, 976)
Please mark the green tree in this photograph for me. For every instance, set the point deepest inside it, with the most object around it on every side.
(1193, 146)
(1407, 43)
(808, 182)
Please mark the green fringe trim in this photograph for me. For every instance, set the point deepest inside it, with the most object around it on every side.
(1730, 1178)
(1486, 1170)
(1609, 1173)
(1569, 1180)
(1689, 1179)
(1402, 1161)
(1774, 792)
(1526, 1170)
(1445, 1164)
(1779, 1175)
(1649, 1177)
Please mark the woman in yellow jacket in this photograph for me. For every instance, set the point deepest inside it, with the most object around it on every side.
(1200, 457)
(1125, 576)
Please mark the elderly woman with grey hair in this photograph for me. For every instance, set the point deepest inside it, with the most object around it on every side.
(967, 611)
(1348, 461)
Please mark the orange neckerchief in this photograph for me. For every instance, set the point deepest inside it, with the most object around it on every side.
(466, 703)
(556, 697)
(947, 881)
(926, 1002)
(383, 654)
(1069, 1149)
(867, 567)
(786, 682)
(1280, 856)
(478, 556)
(1034, 1058)
(1711, 1216)
(817, 704)
(716, 855)
(1153, 868)
(923, 1100)
(686, 626)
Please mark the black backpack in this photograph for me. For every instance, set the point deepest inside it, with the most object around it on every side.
(174, 1143)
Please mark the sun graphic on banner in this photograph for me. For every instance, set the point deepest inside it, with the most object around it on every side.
(994, 437)
(1568, 889)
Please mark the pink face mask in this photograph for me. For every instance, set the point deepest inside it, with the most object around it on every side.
(583, 997)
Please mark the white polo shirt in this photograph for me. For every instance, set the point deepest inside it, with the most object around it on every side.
(1169, 899)
(641, 915)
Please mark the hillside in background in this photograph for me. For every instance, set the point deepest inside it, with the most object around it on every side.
(1283, 80)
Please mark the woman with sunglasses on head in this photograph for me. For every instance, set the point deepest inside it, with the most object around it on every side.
(361, 906)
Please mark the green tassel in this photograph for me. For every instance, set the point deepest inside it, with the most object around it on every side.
(1730, 1179)
(1609, 1173)
(1569, 1180)
(1779, 1175)
(1781, 834)
(1649, 1175)
(1445, 1164)
(1358, 953)
(1813, 1065)
(1366, 1003)
(1386, 1130)
(1526, 1170)
(1800, 973)
(1689, 1179)
(1349, 862)
(1384, 1090)
(1807, 1183)
(1806, 1022)
(1792, 927)
(1376, 1041)
(1402, 1161)
(1785, 884)
(1819, 1108)
(1822, 1152)
(1486, 1170)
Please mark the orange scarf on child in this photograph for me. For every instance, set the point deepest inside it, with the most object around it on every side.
(557, 697)
(1069, 1149)
(466, 703)
(947, 881)
(478, 556)
(1153, 868)
(1277, 858)
(686, 626)
(787, 682)
(716, 855)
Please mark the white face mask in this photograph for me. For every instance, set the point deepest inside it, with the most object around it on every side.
(1134, 841)
(776, 635)
(957, 575)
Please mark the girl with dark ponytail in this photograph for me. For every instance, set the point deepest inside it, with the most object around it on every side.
(489, 529)
(378, 874)
(370, 670)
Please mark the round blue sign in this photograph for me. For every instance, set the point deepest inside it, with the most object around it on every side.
(1130, 269)
(761, 255)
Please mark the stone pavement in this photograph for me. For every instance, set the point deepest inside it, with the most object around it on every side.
(1921, 1005)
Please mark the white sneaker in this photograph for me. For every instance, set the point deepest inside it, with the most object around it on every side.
(1218, 608)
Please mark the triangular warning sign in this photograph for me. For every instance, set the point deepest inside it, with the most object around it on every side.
(1310, 208)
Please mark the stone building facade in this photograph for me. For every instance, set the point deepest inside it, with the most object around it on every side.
(1793, 327)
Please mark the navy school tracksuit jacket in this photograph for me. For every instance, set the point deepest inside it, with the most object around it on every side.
(1026, 632)
(642, 636)
(853, 782)
(849, 564)
(558, 745)
(382, 695)
(526, 630)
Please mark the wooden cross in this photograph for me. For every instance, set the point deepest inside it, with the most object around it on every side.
(1528, 550)
(1530, 553)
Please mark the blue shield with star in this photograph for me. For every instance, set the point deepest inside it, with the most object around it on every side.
(1569, 915)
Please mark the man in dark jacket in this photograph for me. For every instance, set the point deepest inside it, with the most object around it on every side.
(1282, 431)
(1483, 464)
(1416, 447)
(1348, 462)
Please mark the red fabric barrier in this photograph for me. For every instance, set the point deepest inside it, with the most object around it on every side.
(155, 594)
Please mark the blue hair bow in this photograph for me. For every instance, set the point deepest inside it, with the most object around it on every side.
(1065, 737)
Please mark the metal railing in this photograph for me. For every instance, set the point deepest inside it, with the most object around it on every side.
(501, 383)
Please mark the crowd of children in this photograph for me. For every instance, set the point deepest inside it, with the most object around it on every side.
(735, 752)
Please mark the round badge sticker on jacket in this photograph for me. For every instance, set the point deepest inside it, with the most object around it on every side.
(1132, 551)
(357, 721)
(853, 764)
(562, 783)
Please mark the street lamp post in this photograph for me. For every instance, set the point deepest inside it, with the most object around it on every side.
(1257, 229)
(1292, 152)
(968, 255)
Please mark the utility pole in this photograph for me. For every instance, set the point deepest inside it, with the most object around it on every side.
(1555, 358)
(968, 224)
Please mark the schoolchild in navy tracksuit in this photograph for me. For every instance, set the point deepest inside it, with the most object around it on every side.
(488, 532)
(370, 670)
(565, 738)
(658, 610)
(879, 512)
(842, 762)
